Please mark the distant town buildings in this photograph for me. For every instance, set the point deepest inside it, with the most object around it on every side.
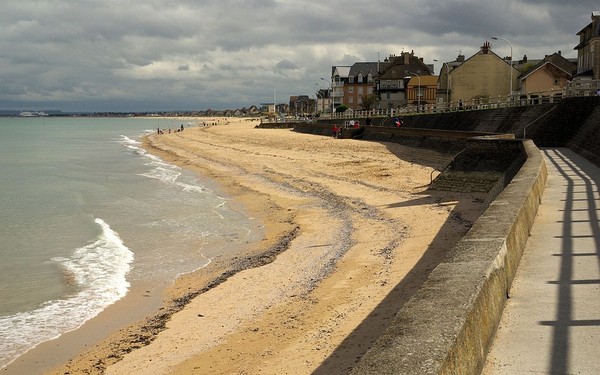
(482, 76)
(406, 80)
(588, 59)
(395, 73)
(552, 74)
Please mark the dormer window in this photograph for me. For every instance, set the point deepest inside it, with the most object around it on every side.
(360, 78)
(369, 78)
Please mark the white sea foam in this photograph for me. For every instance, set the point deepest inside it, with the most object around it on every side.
(160, 170)
(99, 270)
(165, 172)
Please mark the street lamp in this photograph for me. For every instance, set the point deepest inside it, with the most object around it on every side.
(330, 93)
(511, 64)
(317, 95)
(447, 80)
(418, 96)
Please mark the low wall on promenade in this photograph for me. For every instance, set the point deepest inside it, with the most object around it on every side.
(449, 324)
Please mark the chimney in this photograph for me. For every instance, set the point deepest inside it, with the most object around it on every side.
(460, 58)
(406, 58)
(559, 53)
(485, 49)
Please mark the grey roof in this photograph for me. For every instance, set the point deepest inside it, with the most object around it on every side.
(396, 68)
(364, 68)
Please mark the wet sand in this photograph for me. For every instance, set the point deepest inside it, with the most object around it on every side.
(351, 232)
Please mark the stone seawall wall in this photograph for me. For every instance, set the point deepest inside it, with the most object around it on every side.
(449, 324)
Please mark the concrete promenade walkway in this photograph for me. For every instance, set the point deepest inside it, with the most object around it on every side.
(551, 323)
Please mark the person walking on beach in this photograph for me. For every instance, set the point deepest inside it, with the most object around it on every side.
(336, 131)
(399, 122)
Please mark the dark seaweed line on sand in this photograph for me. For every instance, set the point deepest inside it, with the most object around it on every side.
(155, 324)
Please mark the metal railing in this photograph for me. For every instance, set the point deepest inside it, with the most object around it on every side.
(574, 89)
(516, 100)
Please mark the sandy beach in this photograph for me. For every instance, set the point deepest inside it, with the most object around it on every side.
(351, 232)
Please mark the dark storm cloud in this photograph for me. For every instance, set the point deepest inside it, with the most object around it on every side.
(105, 54)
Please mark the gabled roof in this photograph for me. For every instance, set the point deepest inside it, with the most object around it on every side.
(481, 52)
(342, 71)
(555, 60)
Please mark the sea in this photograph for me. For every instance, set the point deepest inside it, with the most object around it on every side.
(86, 212)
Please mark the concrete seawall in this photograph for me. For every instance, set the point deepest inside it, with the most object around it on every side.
(449, 324)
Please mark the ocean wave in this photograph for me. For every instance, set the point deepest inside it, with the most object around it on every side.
(126, 140)
(99, 271)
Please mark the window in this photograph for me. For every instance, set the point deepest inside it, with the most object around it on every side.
(351, 90)
(369, 78)
(360, 78)
(351, 79)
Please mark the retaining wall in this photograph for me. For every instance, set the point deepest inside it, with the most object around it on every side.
(448, 141)
(571, 122)
(449, 324)
(486, 165)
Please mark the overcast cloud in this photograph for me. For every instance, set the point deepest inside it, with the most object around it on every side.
(126, 55)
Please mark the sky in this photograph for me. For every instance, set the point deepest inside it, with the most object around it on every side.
(168, 55)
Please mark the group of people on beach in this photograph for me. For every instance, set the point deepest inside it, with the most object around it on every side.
(337, 129)
(161, 131)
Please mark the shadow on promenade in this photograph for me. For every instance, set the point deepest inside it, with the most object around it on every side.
(581, 206)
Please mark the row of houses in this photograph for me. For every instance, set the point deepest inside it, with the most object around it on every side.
(403, 80)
